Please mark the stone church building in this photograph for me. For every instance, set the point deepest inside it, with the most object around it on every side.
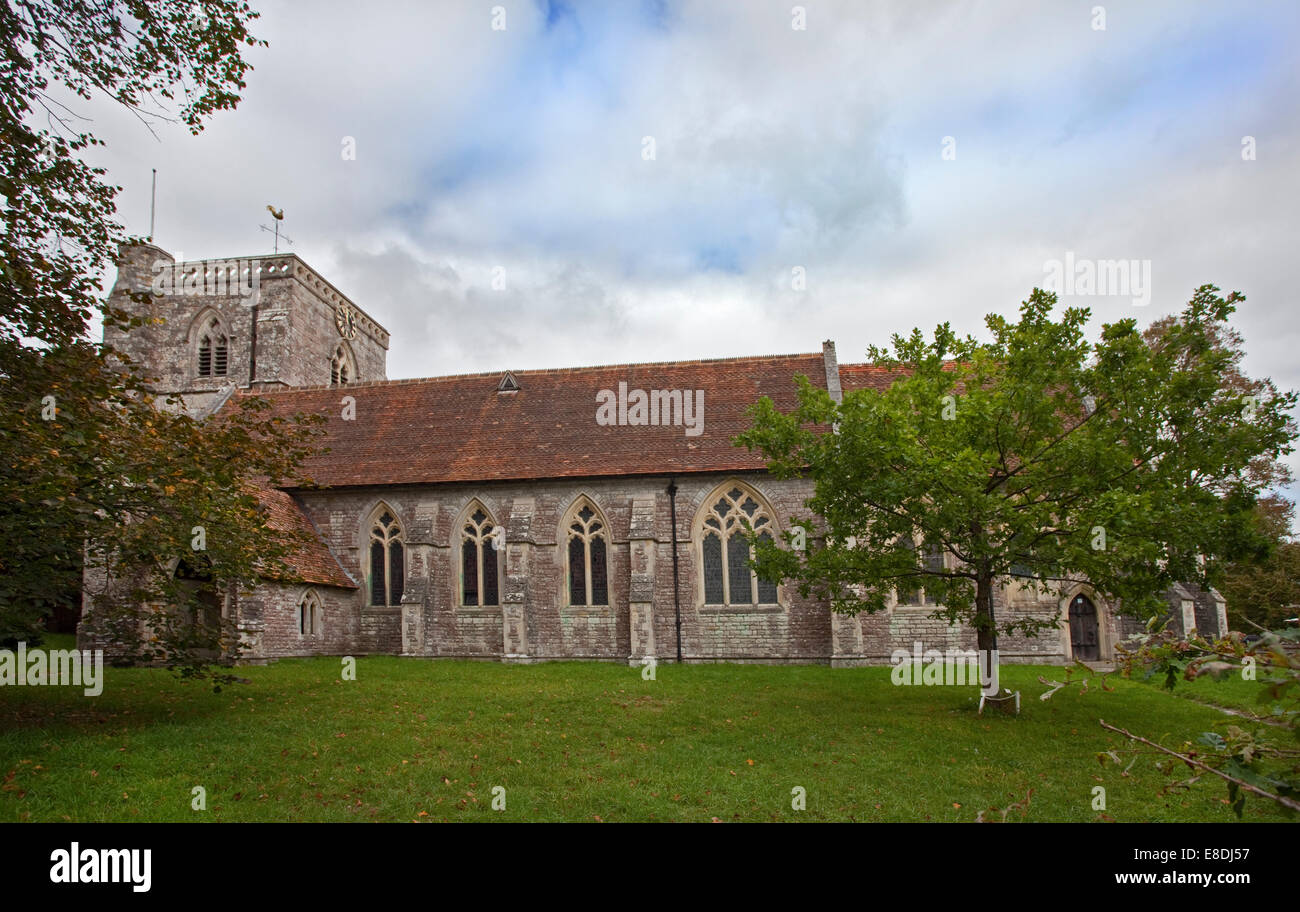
(578, 513)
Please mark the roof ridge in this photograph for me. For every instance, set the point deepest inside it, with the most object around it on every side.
(538, 371)
(875, 365)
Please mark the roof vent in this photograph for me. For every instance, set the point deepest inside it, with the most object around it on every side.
(508, 383)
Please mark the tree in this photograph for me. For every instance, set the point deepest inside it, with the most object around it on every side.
(98, 462)
(1268, 470)
(59, 234)
(1037, 453)
(1263, 586)
(88, 456)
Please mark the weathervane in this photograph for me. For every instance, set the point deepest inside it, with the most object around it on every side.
(278, 215)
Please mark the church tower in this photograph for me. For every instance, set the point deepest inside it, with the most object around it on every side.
(253, 322)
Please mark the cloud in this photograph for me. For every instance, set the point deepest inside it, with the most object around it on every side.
(524, 151)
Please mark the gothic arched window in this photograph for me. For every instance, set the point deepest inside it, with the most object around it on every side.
(725, 553)
(480, 540)
(387, 560)
(343, 368)
(909, 590)
(311, 614)
(587, 555)
(214, 349)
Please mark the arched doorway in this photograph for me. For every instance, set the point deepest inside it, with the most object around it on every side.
(1085, 641)
(201, 611)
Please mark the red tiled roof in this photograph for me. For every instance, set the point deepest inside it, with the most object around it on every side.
(866, 376)
(459, 428)
(310, 562)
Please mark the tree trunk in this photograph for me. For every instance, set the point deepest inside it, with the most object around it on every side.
(987, 633)
(985, 622)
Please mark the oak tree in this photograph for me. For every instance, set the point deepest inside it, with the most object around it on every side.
(1037, 453)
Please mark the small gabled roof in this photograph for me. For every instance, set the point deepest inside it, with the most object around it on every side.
(311, 562)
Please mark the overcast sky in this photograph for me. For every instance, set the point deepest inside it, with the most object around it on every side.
(522, 153)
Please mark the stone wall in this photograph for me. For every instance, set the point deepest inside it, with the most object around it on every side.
(535, 621)
(268, 623)
(872, 639)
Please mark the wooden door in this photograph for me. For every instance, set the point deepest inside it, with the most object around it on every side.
(1085, 641)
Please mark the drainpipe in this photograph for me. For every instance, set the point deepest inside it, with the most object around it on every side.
(677, 599)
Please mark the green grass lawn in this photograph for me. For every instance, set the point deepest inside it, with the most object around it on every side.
(1230, 691)
(428, 740)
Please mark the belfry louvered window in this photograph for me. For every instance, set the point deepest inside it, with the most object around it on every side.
(387, 561)
(588, 551)
(725, 552)
(479, 544)
(214, 350)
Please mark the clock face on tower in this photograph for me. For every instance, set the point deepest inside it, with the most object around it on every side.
(345, 318)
